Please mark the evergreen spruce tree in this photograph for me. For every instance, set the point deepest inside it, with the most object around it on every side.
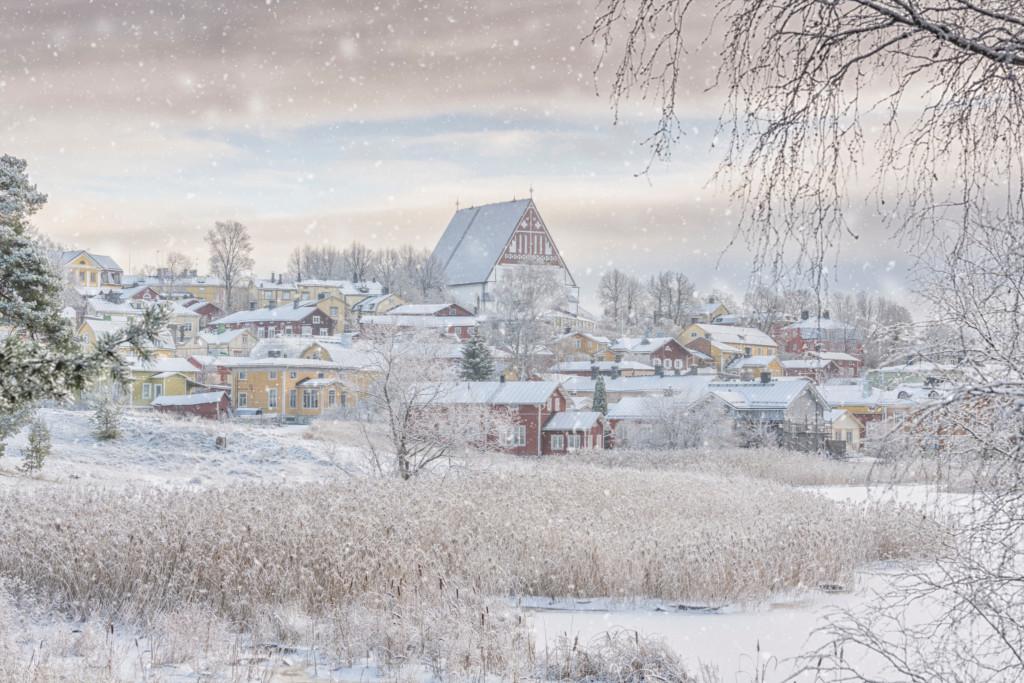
(600, 402)
(40, 357)
(106, 421)
(38, 449)
(477, 362)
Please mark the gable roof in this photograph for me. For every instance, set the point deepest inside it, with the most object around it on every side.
(641, 344)
(158, 365)
(774, 395)
(572, 421)
(475, 238)
(494, 393)
(103, 261)
(730, 334)
(276, 314)
(424, 309)
(751, 362)
(225, 337)
(601, 365)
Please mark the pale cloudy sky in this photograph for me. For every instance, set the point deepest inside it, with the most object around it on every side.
(330, 121)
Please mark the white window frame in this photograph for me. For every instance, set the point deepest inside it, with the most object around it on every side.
(574, 441)
(243, 375)
(557, 442)
(310, 399)
(272, 398)
(147, 390)
(243, 399)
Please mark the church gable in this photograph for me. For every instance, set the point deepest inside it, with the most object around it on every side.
(531, 243)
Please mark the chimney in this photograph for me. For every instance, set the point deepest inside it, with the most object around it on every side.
(804, 315)
(252, 305)
(271, 277)
(766, 377)
(593, 372)
(615, 371)
(280, 278)
(826, 315)
(501, 378)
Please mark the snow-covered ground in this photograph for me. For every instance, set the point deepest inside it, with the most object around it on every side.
(165, 450)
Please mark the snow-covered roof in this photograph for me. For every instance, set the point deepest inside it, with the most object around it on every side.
(690, 387)
(105, 262)
(492, 393)
(706, 308)
(101, 306)
(839, 395)
(475, 238)
(158, 365)
(371, 303)
(419, 309)
(347, 287)
(275, 285)
(818, 324)
(288, 347)
(597, 339)
(644, 407)
(640, 344)
(276, 314)
(189, 399)
(836, 356)
(445, 321)
(100, 326)
(773, 395)
(602, 365)
(731, 334)
(923, 366)
(245, 362)
(572, 421)
(837, 414)
(751, 362)
(348, 356)
(806, 364)
(224, 337)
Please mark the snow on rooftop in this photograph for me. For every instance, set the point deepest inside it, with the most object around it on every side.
(189, 399)
(572, 421)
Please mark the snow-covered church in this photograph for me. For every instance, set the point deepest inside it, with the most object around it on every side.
(482, 244)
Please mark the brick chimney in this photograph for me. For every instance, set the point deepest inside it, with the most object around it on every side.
(766, 377)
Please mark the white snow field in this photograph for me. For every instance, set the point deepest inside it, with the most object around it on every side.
(170, 451)
(159, 557)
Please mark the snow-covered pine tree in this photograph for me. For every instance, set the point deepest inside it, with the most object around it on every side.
(106, 420)
(38, 449)
(40, 356)
(477, 364)
(599, 404)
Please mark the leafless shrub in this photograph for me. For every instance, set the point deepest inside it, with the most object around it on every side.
(618, 656)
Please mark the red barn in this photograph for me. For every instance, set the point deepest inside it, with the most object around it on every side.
(303, 319)
(212, 405)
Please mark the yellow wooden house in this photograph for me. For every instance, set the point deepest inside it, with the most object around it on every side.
(724, 343)
(294, 388)
(86, 270)
(162, 377)
(578, 345)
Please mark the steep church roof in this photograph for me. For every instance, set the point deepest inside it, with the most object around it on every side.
(480, 237)
(475, 238)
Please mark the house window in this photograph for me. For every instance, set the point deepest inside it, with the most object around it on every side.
(187, 327)
(292, 398)
(557, 442)
(307, 330)
(849, 436)
(242, 374)
(679, 363)
(147, 390)
(746, 351)
(316, 320)
(693, 335)
(286, 295)
(261, 332)
(323, 332)
(656, 362)
(271, 398)
(334, 311)
(516, 436)
(310, 399)
(579, 344)
(272, 374)
(332, 398)
(269, 296)
(243, 400)
(293, 374)
(575, 441)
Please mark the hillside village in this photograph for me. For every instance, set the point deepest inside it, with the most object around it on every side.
(294, 349)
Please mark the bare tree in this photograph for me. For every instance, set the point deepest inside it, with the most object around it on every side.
(624, 301)
(387, 268)
(810, 84)
(522, 299)
(415, 397)
(671, 298)
(230, 256)
(323, 262)
(421, 276)
(177, 266)
(672, 422)
(357, 262)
